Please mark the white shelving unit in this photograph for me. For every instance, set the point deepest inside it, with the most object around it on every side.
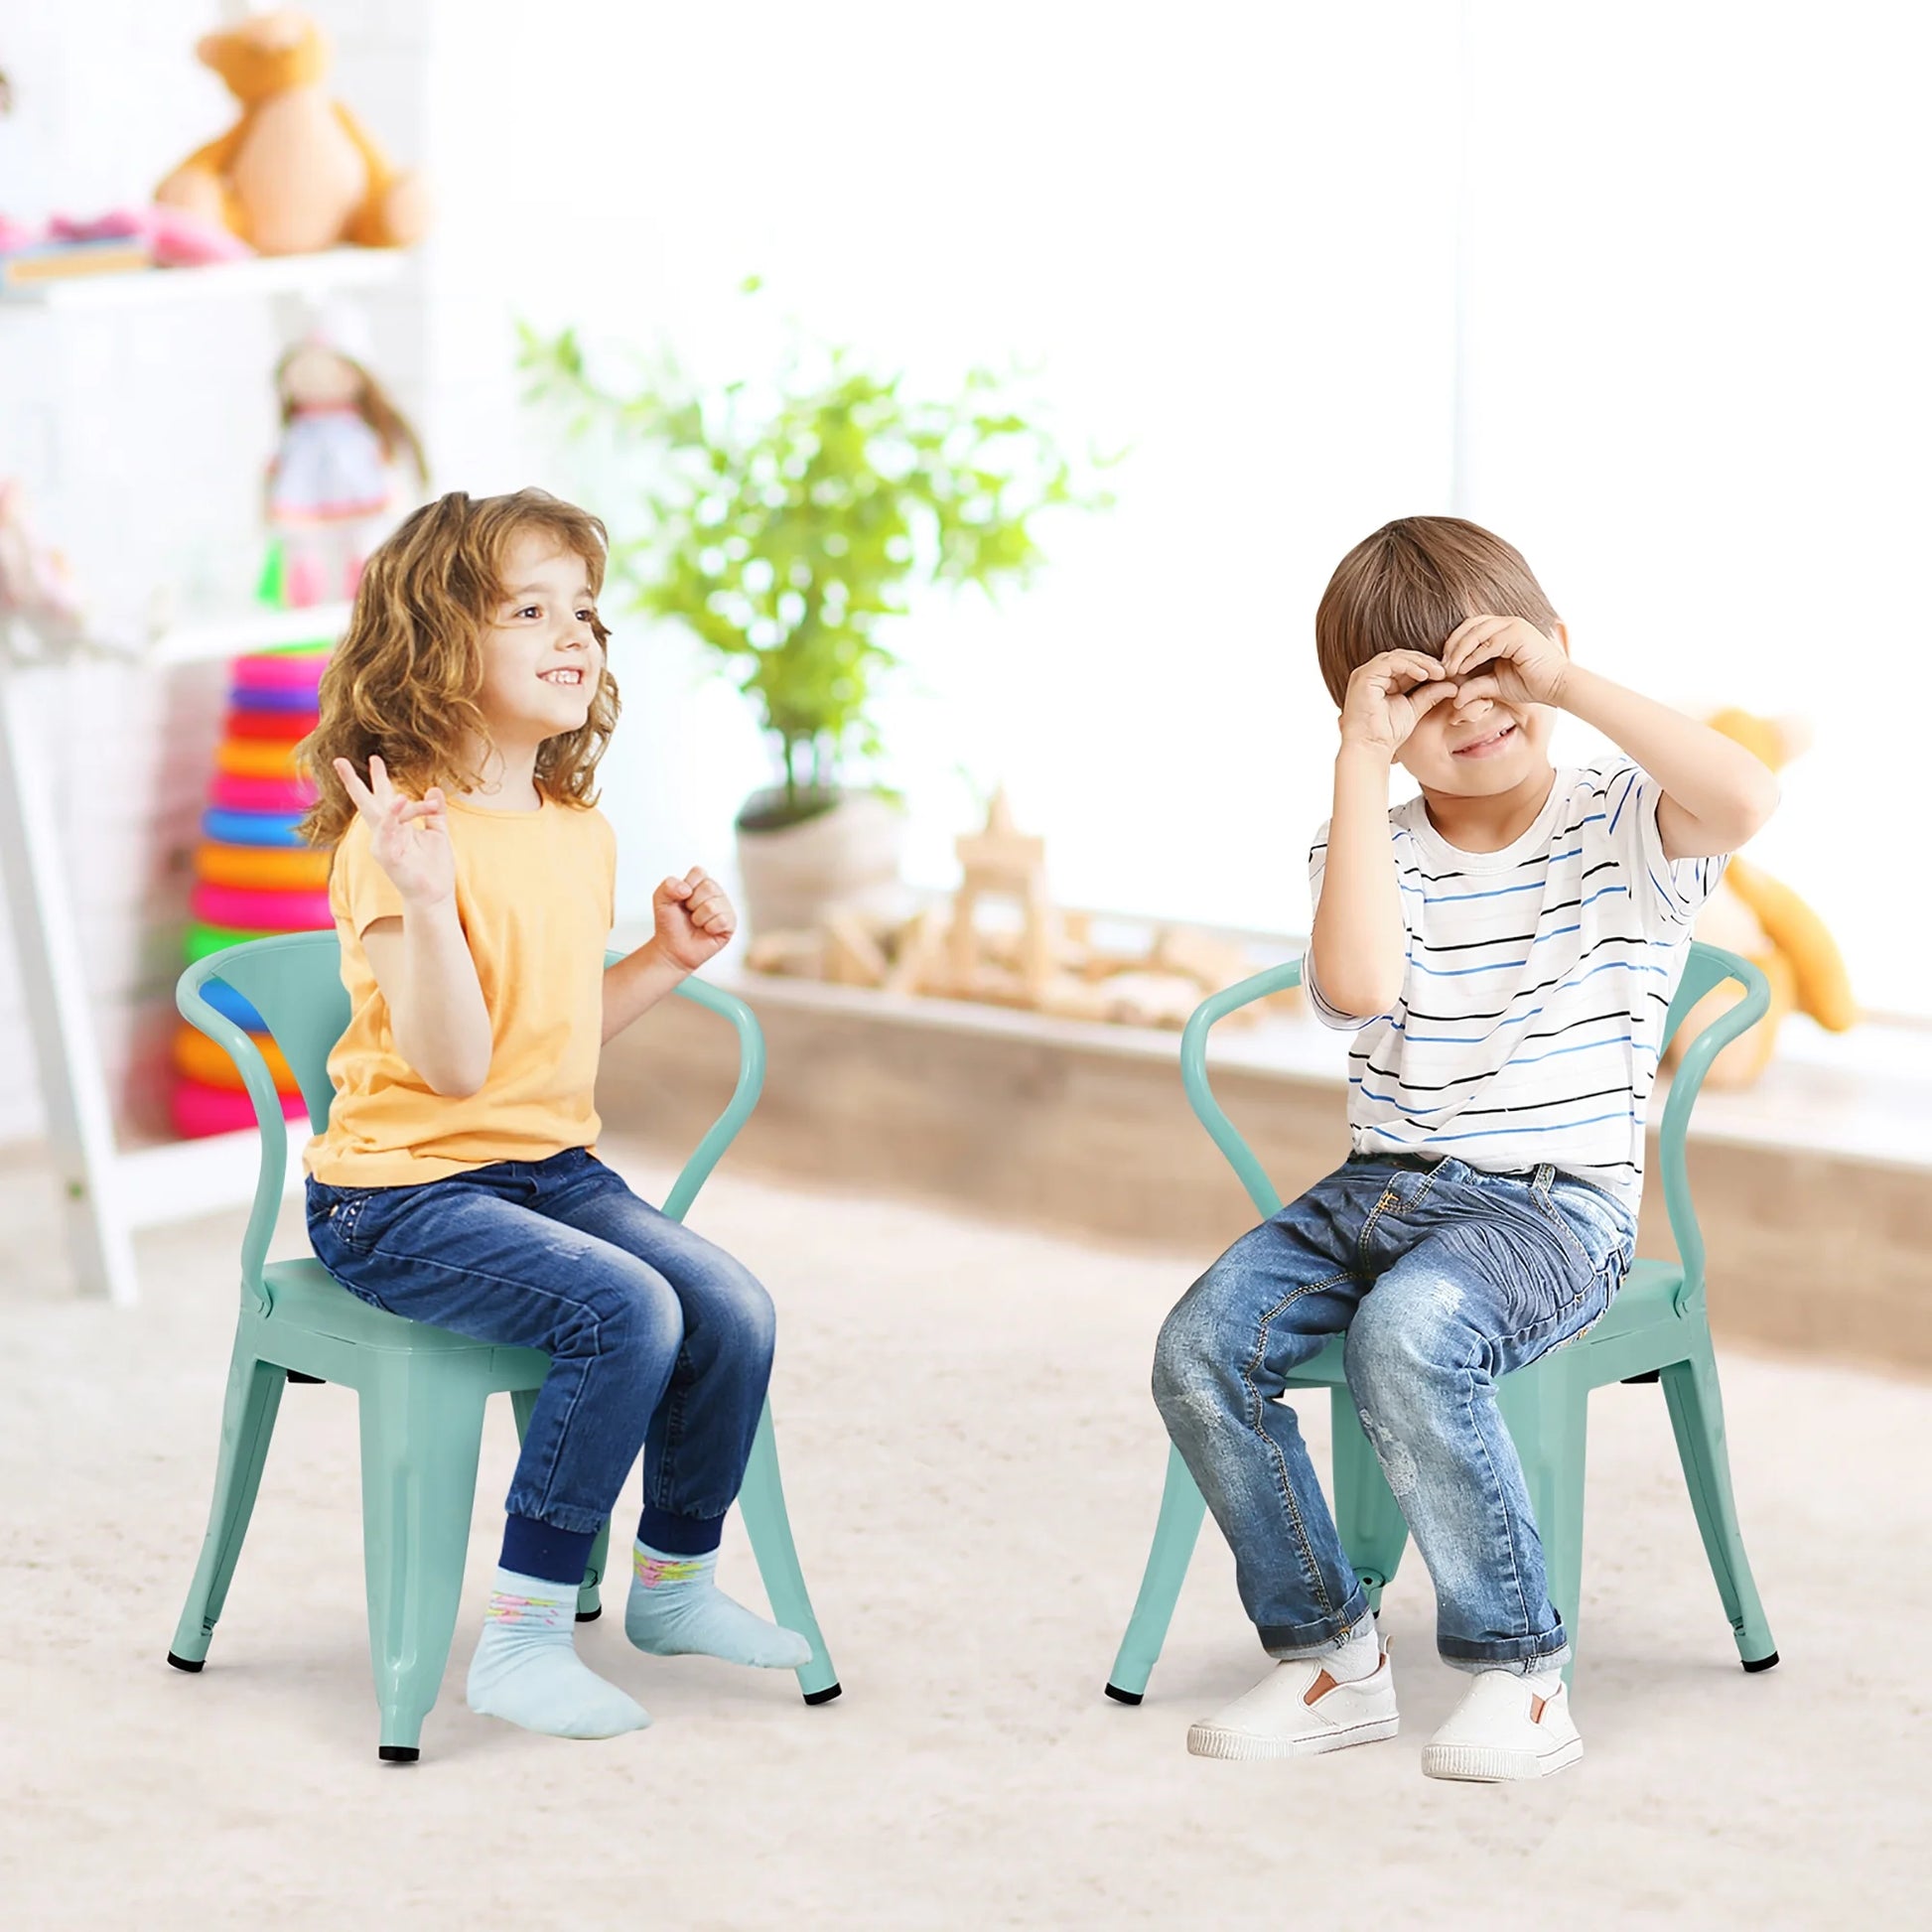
(108, 1193)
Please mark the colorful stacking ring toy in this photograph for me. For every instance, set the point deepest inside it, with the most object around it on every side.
(264, 868)
(231, 1005)
(255, 758)
(255, 727)
(251, 828)
(202, 1059)
(285, 672)
(301, 911)
(255, 875)
(283, 795)
(203, 939)
(270, 697)
(199, 1110)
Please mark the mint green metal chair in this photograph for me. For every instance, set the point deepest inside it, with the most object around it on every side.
(421, 1390)
(1656, 1330)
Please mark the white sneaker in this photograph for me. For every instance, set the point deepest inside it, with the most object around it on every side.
(1506, 1726)
(1298, 1709)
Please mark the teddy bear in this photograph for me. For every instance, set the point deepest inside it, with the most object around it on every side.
(1763, 920)
(296, 173)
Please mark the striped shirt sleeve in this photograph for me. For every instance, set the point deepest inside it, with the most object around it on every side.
(1671, 891)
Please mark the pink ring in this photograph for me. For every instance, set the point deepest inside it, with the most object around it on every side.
(282, 673)
(235, 905)
(199, 1110)
(234, 794)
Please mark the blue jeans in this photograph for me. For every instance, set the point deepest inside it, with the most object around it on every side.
(1443, 1278)
(656, 1339)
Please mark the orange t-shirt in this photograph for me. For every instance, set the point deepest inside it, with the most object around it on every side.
(535, 892)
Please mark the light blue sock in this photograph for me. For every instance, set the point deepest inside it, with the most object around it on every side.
(676, 1609)
(526, 1668)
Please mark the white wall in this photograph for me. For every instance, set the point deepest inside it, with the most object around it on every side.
(1225, 236)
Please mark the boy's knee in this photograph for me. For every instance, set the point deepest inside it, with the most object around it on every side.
(747, 1306)
(1395, 1350)
(639, 1320)
(1191, 1359)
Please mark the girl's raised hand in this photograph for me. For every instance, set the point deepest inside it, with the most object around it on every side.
(409, 837)
(693, 917)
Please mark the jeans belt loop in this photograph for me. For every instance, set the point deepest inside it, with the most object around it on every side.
(1544, 1175)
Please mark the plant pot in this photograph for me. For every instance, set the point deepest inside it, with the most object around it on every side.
(844, 860)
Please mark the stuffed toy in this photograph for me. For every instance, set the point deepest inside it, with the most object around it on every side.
(296, 173)
(1765, 921)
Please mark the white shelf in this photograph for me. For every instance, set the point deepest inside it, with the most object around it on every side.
(318, 274)
(260, 629)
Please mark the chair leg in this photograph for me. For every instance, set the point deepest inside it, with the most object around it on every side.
(1549, 1416)
(248, 1422)
(422, 1431)
(1174, 1534)
(761, 1500)
(1697, 1417)
(1368, 1518)
(589, 1601)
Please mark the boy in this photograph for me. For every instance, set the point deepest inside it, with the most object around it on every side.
(1504, 948)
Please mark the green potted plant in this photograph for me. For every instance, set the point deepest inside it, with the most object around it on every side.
(787, 527)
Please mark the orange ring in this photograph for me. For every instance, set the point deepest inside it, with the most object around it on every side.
(262, 867)
(254, 757)
(201, 1060)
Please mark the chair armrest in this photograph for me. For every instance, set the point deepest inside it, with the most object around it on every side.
(745, 1096)
(1200, 1094)
(1685, 1085)
(260, 1083)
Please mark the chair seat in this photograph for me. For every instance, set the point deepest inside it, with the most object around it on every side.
(304, 1295)
(1645, 1301)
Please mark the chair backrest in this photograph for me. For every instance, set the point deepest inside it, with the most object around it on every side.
(1706, 968)
(294, 981)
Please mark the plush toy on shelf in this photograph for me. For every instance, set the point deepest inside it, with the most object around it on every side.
(296, 173)
(254, 876)
(336, 478)
(1763, 920)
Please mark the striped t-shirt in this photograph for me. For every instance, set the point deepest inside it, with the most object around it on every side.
(1530, 1016)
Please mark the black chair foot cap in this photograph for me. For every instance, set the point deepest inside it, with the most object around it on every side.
(1751, 1663)
(589, 1616)
(397, 1754)
(195, 1663)
(1649, 1375)
(296, 1375)
(1123, 1697)
(825, 1696)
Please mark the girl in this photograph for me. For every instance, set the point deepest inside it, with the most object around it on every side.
(458, 1182)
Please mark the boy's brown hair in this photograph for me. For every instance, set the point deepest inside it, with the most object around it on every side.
(1410, 583)
(403, 682)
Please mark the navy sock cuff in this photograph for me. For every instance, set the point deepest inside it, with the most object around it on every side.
(680, 1536)
(534, 1549)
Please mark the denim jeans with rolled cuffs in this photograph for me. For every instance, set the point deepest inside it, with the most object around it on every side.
(656, 1339)
(1443, 1278)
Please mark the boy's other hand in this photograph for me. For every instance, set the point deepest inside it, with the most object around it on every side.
(1513, 660)
(693, 918)
(1388, 697)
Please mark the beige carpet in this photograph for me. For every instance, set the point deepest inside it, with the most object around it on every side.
(973, 1465)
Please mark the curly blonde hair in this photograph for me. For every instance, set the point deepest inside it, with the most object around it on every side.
(403, 682)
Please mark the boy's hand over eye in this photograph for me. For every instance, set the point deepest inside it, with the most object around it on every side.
(693, 917)
(1388, 697)
(1507, 659)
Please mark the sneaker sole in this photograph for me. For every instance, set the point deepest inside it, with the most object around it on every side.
(1488, 1764)
(1216, 1740)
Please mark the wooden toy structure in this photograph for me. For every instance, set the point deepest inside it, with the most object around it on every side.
(1042, 956)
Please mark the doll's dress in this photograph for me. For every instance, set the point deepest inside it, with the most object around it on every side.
(330, 494)
(329, 469)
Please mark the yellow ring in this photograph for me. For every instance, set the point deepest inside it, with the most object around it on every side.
(201, 1060)
(254, 757)
(261, 868)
